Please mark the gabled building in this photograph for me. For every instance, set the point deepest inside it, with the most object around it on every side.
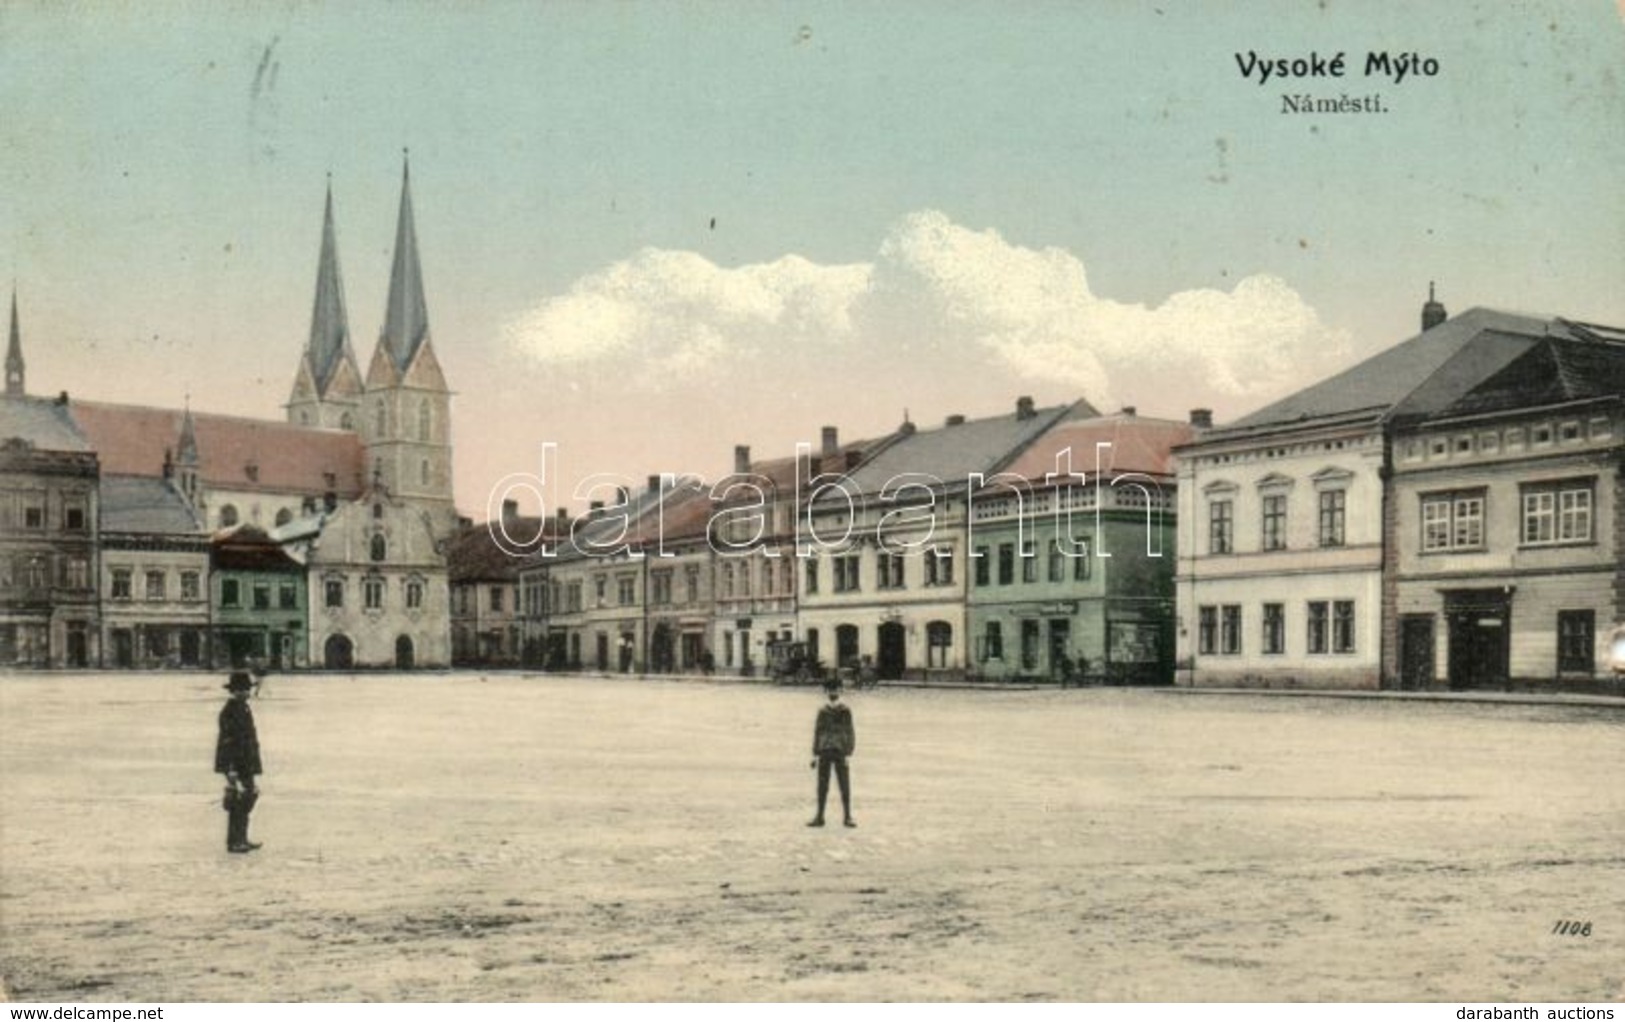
(489, 608)
(154, 576)
(49, 510)
(1286, 518)
(595, 612)
(1073, 554)
(379, 594)
(258, 594)
(679, 578)
(892, 544)
(1509, 537)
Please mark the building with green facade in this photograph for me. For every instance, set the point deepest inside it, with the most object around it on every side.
(1072, 555)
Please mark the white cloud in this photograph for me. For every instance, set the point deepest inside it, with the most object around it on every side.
(968, 297)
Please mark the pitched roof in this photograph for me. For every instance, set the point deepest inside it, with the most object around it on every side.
(132, 439)
(406, 316)
(41, 422)
(474, 556)
(1558, 370)
(246, 547)
(1137, 445)
(952, 453)
(1414, 377)
(146, 505)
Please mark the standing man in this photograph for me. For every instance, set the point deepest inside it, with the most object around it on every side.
(237, 755)
(833, 741)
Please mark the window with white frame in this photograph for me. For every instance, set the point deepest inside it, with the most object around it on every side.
(1556, 513)
(1453, 521)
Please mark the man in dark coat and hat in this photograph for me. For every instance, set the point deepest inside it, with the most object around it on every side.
(833, 740)
(237, 755)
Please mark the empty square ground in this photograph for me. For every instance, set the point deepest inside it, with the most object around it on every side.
(535, 838)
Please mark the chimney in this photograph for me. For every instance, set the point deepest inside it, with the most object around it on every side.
(1024, 408)
(169, 464)
(561, 516)
(831, 444)
(595, 507)
(955, 420)
(623, 496)
(1433, 312)
(1202, 418)
(62, 398)
(906, 429)
(654, 484)
(510, 510)
(741, 458)
(1128, 411)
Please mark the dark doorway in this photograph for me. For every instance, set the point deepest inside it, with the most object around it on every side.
(191, 648)
(123, 648)
(78, 646)
(339, 653)
(1060, 642)
(404, 658)
(846, 645)
(1480, 637)
(1416, 652)
(662, 655)
(893, 658)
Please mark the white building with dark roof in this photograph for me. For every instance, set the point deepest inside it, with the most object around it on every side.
(1509, 537)
(1287, 522)
(154, 577)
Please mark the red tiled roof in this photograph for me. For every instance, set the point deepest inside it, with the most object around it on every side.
(131, 440)
(1137, 445)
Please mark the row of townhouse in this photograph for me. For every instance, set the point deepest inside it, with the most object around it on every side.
(1032, 544)
(1446, 513)
(136, 536)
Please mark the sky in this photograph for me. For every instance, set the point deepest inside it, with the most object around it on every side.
(653, 231)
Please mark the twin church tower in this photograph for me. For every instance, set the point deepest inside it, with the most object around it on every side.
(401, 407)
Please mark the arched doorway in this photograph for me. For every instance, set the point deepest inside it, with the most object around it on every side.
(339, 653)
(893, 656)
(403, 652)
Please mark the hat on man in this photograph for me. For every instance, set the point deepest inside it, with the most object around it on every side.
(240, 681)
(832, 684)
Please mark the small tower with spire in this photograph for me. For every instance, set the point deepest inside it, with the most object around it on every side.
(186, 457)
(406, 414)
(327, 386)
(1433, 312)
(14, 355)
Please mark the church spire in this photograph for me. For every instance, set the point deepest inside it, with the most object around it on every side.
(406, 317)
(14, 354)
(186, 448)
(329, 324)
